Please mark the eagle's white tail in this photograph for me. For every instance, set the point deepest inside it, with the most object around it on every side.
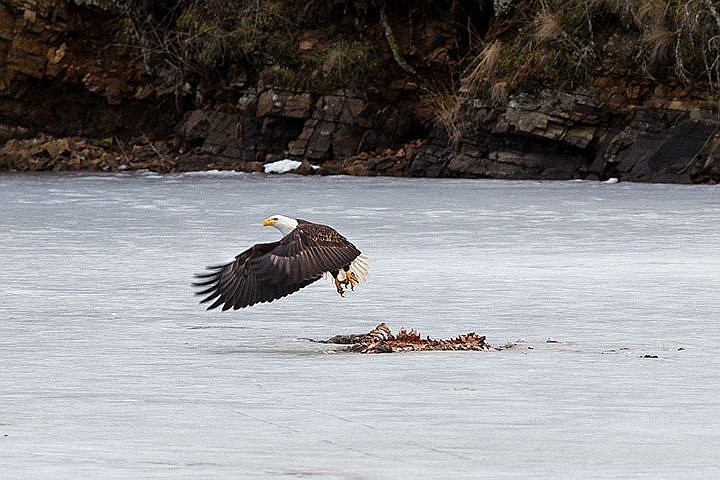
(358, 267)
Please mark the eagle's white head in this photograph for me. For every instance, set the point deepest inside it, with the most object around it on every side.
(281, 222)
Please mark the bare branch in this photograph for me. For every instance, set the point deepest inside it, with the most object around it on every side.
(393, 44)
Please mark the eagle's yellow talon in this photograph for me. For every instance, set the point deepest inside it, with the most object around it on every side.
(338, 286)
(351, 279)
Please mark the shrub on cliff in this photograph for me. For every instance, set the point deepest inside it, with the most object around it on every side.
(194, 42)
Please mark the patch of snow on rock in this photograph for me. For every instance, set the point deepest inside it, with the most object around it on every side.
(282, 166)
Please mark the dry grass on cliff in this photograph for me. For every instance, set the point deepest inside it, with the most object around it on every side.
(442, 102)
(682, 37)
(482, 70)
(447, 102)
(564, 42)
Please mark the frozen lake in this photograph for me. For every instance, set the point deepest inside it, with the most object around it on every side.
(111, 369)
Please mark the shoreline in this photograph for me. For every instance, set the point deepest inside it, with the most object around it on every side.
(46, 153)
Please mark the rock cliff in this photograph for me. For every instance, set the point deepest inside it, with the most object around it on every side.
(435, 89)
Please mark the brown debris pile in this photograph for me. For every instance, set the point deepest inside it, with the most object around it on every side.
(381, 340)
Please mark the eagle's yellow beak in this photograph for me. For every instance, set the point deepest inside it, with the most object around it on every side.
(269, 222)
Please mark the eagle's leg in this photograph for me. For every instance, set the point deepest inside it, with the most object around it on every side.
(339, 286)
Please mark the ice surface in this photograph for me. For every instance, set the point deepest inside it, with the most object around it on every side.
(213, 173)
(110, 368)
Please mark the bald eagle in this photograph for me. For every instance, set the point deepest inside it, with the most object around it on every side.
(268, 271)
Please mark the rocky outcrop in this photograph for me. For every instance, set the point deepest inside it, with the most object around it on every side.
(335, 130)
(661, 146)
(77, 93)
(45, 152)
(550, 136)
(565, 136)
(63, 72)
